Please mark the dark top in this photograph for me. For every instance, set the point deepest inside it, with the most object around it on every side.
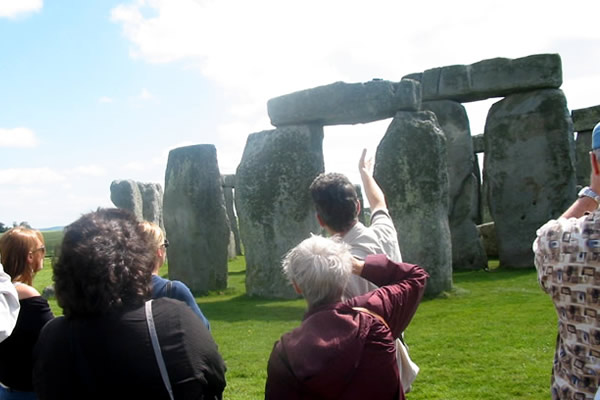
(111, 356)
(342, 353)
(178, 291)
(16, 351)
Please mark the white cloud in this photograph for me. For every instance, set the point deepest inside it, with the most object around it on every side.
(134, 166)
(267, 47)
(17, 137)
(105, 99)
(145, 95)
(88, 170)
(30, 176)
(14, 8)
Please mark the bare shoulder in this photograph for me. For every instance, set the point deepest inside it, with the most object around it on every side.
(26, 291)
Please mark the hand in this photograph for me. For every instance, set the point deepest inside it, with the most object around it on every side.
(357, 266)
(365, 165)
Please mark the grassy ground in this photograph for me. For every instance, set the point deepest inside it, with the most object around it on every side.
(491, 338)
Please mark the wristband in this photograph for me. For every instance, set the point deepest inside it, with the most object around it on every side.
(587, 192)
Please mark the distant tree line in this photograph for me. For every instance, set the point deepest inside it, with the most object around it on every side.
(4, 228)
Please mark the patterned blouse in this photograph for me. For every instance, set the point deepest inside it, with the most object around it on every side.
(567, 258)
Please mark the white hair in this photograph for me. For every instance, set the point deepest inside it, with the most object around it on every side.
(320, 267)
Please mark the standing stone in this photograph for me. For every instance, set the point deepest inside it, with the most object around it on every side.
(478, 143)
(273, 202)
(487, 232)
(228, 186)
(152, 199)
(529, 171)
(411, 168)
(477, 199)
(583, 145)
(467, 249)
(196, 219)
(126, 194)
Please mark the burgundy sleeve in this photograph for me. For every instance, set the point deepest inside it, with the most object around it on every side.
(401, 289)
(280, 384)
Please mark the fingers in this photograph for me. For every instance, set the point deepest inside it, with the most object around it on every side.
(361, 163)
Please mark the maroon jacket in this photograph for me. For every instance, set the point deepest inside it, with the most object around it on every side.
(342, 353)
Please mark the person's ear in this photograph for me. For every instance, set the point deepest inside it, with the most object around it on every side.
(296, 288)
(321, 222)
(357, 207)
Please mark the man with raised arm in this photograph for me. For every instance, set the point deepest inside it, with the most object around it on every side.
(567, 258)
(337, 205)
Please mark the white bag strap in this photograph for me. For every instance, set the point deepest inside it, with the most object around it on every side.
(156, 347)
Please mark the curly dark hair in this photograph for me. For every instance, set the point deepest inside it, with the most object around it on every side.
(104, 264)
(336, 200)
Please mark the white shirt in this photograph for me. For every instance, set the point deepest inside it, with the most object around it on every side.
(9, 305)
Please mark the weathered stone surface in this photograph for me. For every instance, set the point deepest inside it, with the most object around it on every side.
(152, 198)
(126, 194)
(583, 145)
(585, 119)
(345, 103)
(467, 249)
(411, 168)
(529, 168)
(487, 232)
(228, 180)
(231, 251)
(49, 292)
(273, 202)
(496, 77)
(477, 198)
(478, 145)
(196, 219)
(233, 222)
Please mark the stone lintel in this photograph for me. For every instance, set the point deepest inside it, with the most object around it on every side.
(584, 119)
(491, 78)
(342, 103)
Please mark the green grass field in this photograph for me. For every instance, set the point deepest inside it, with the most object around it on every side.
(491, 338)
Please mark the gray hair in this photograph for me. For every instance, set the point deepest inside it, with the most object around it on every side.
(320, 267)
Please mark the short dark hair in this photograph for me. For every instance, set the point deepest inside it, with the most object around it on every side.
(104, 264)
(336, 200)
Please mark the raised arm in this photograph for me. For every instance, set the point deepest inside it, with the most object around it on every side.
(402, 287)
(586, 204)
(372, 190)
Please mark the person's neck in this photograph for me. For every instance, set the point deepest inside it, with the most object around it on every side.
(341, 233)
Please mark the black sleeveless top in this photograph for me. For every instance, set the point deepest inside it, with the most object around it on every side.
(16, 361)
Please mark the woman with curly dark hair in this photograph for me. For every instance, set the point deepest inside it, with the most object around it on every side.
(103, 346)
(22, 253)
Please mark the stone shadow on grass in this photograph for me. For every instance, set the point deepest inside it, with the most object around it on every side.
(245, 308)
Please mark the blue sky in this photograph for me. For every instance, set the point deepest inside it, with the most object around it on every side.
(97, 90)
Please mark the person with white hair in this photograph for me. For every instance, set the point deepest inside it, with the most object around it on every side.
(9, 305)
(343, 349)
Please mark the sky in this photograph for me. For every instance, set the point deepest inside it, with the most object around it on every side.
(99, 90)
